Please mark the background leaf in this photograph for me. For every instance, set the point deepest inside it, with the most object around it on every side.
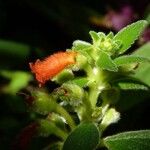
(135, 140)
(18, 80)
(132, 92)
(130, 98)
(14, 48)
(143, 71)
(85, 136)
(129, 34)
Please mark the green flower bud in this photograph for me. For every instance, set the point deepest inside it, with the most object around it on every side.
(105, 43)
(71, 93)
(47, 128)
(43, 103)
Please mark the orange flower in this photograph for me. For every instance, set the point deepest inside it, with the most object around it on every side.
(52, 65)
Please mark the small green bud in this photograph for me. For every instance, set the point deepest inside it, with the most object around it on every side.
(43, 103)
(73, 94)
(106, 45)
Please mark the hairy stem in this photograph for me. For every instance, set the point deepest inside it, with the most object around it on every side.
(66, 115)
(60, 133)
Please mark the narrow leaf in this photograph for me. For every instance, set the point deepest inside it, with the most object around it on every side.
(130, 83)
(135, 140)
(84, 137)
(129, 59)
(95, 36)
(129, 34)
(105, 62)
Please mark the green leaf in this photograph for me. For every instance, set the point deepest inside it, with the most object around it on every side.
(18, 80)
(130, 84)
(81, 81)
(132, 92)
(129, 34)
(95, 36)
(43, 103)
(143, 71)
(134, 140)
(143, 50)
(79, 45)
(129, 59)
(105, 62)
(84, 48)
(84, 137)
(110, 35)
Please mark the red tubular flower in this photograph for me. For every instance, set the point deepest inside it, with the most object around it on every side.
(22, 141)
(52, 65)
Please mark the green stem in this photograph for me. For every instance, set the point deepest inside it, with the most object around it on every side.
(66, 115)
(87, 108)
(97, 86)
(93, 95)
(59, 146)
(60, 133)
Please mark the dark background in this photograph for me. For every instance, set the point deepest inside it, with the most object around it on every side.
(47, 26)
